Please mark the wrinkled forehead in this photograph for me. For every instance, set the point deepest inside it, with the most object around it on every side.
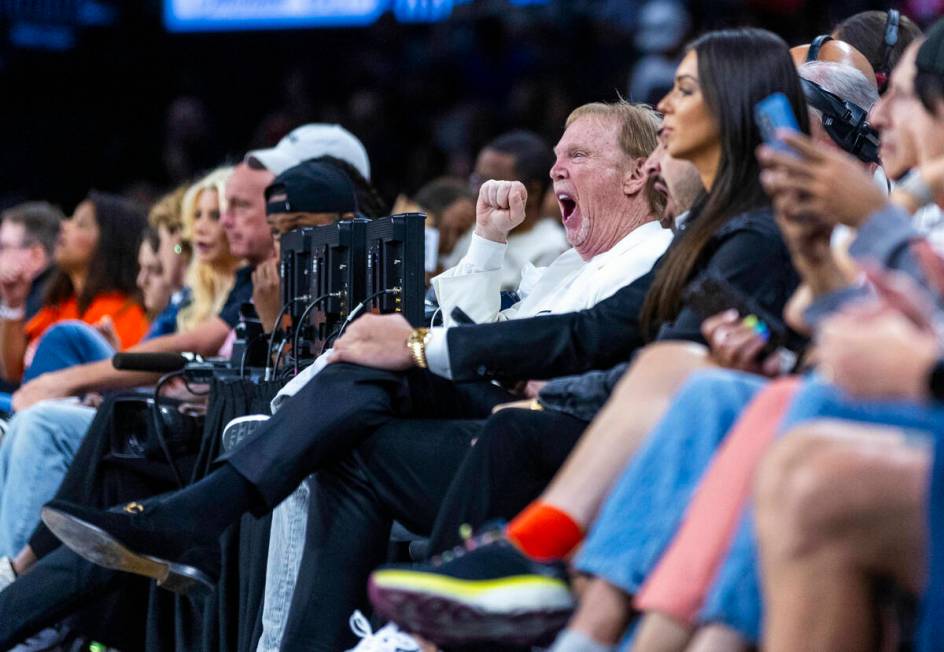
(590, 130)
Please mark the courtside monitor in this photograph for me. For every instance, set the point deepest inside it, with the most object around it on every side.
(395, 271)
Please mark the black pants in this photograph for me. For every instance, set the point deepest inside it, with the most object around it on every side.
(63, 584)
(339, 408)
(403, 472)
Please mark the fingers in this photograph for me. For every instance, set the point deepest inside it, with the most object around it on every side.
(801, 144)
(773, 158)
(710, 327)
(517, 198)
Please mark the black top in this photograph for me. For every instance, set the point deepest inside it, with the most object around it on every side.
(34, 300)
(748, 252)
(240, 294)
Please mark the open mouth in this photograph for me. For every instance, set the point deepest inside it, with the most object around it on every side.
(567, 205)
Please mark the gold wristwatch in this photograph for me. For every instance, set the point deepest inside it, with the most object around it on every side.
(416, 343)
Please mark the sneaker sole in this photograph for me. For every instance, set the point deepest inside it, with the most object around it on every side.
(101, 548)
(452, 612)
(239, 428)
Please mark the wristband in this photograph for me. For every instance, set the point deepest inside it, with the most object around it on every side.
(12, 314)
(914, 184)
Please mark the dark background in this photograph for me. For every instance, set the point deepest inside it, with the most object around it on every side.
(109, 99)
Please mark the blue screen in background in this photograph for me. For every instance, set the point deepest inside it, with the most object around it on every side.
(221, 15)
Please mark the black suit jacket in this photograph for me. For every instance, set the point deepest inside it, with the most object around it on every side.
(747, 251)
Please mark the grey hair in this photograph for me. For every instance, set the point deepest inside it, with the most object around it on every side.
(841, 80)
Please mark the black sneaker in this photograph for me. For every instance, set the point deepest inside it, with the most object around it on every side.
(240, 428)
(138, 538)
(485, 592)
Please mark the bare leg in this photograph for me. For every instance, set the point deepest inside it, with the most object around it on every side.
(604, 612)
(838, 505)
(24, 560)
(718, 638)
(662, 633)
(638, 402)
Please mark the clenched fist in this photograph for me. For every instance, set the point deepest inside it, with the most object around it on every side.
(500, 209)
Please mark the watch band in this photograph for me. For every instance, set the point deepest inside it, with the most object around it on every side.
(416, 343)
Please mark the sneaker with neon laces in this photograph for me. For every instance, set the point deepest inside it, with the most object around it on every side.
(484, 592)
(388, 638)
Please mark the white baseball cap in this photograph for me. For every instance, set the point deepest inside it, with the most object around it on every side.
(311, 141)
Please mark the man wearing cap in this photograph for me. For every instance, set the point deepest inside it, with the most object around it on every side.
(249, 237)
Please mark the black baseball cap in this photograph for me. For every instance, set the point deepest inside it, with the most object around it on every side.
(311, 187)
(931, 53)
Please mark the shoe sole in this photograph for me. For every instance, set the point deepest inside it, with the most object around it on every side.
(453, 612)
(101, 548)
(240, 428)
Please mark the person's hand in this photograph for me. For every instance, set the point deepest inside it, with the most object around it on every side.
(14, 287)
(377, 341)
(56, 384)
(514, 405)
(500, 208)
(820, 182)
(533, 387)
(265, 293)
(736, 346)
(875, 352)
(106, 328)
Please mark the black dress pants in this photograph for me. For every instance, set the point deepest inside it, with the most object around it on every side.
(403, 472)
(339, 408)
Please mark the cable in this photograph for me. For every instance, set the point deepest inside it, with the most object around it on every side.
(275, 329)
(301, 323)
(360, 306)
(278, 358)
(159, 424)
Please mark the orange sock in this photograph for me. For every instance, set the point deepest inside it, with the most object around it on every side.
(544, 532)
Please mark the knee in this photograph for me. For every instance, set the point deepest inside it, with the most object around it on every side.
(503, 434)
(798, 494)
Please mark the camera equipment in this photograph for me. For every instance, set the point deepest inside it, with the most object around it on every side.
(845, 122)
(395, 270)
(813, 53)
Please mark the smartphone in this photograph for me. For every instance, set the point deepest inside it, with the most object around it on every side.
(772, 113)
(710, 295)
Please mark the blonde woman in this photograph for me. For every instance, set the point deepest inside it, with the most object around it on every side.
(212, 271)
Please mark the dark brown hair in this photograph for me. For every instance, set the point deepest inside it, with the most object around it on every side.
(732, 84)
(114, 265)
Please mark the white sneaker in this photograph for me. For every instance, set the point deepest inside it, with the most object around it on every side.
(240, 428)
(386, 639)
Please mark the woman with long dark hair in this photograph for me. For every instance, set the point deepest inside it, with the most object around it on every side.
(731, 234)
(96, 271)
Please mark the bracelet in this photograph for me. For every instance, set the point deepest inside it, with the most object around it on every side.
(914, 185)
(12, 314)
(416, 343)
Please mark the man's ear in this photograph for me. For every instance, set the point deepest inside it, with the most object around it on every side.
(634, 180)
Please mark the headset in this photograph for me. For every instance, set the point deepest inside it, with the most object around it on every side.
(845, 122)
(890, 40)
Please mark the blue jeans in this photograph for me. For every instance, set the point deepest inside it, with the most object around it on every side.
(67, 344)
(932, 609)
(34, 456)
(646, 507)
(286, 547)
(735, 598)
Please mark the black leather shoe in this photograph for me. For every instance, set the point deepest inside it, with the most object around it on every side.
(138, 538)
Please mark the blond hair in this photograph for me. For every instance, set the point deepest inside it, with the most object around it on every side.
(210, 285)
(639, 124)
(166, 211)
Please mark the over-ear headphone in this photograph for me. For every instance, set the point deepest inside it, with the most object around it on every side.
(889, 41)
(817, 44)
(845, 122)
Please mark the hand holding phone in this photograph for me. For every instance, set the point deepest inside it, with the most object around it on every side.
(772, 113)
